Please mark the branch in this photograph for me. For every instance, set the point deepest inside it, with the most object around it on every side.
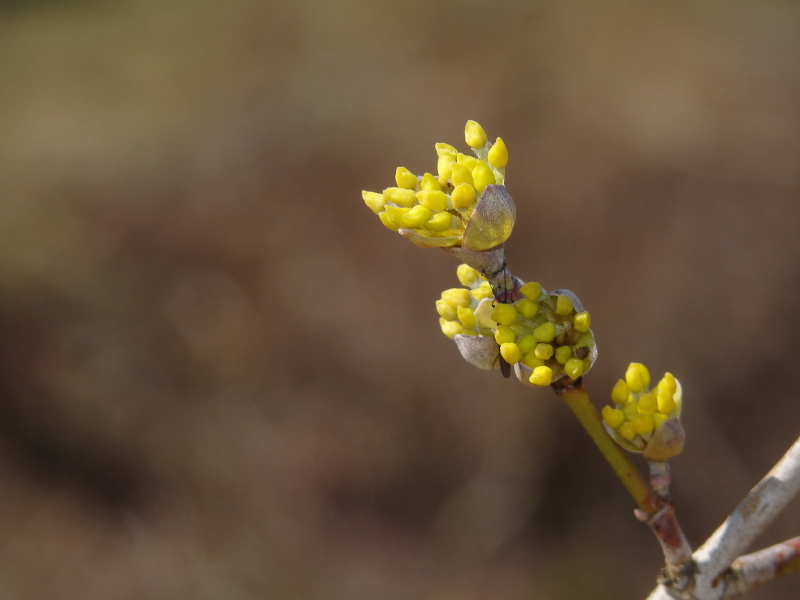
(753, 514)
(656, 511)
(764, 502)
(679, 570)
(752, 570)
(576, 398)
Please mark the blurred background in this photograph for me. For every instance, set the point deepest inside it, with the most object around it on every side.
(221, 377)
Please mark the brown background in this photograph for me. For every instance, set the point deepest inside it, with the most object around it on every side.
(221, 377)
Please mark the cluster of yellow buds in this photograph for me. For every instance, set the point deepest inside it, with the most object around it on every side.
(545, 336)
(646, 420)
(464, 205)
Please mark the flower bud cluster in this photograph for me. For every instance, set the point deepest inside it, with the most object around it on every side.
(434, 210)
(643, 419)
(545, 336)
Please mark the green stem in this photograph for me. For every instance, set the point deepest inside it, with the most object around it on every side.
(577, 399)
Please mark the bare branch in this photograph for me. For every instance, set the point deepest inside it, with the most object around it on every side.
(752, 570)
(679, 569)
(764, 502)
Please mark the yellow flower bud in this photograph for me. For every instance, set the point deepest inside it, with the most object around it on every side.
(527, 308)
(583, 322)
(613, 417)
(451, 328)
(467, 316)
(400, 196)
(642, 424)
(474, 135)
(563, 305)
(563, 354)
(545, 332)
(445, 150)
(482, 292)
(463, 195)
(387, 220)
(482, 176)
(531, 290)
(439, 222)
(445, 310)
(374, 200)
(627, 431)
(460, 174)
(542, 376)
(543, 351)
(531, 361)
(432, 199)
(647, 404)
(396, 213)
(417, 216)
(527, 344)
(466, 274)
(504, 335)
(620, 392)
(429, 182)
(498, 154)
(637, 377)
(668, 383)
(631, 409)
(665, 400)
(510, 352)
(445, 166)
(468, 161)
(456, 297)
(504, 314)
(573, 368)
(405, 178)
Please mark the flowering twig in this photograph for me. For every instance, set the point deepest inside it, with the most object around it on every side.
(715, 570)
(576, 398)
(656, 511)
(498, 321)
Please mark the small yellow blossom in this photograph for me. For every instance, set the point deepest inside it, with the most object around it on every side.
(463, 214)
(574, 368)
(542, 376)
(646, 420)
(405, 178)
(531, 290)
(374, 200)
(528, 333)
(545, 332)
(563, 305)
(504, 314)
(527, 308)
(498, 154)
(432, 199)
(467, 275)
(583, 321)
(510, 352)
(637, 377)
(482, 176)
(504, 335)
(474, 135)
